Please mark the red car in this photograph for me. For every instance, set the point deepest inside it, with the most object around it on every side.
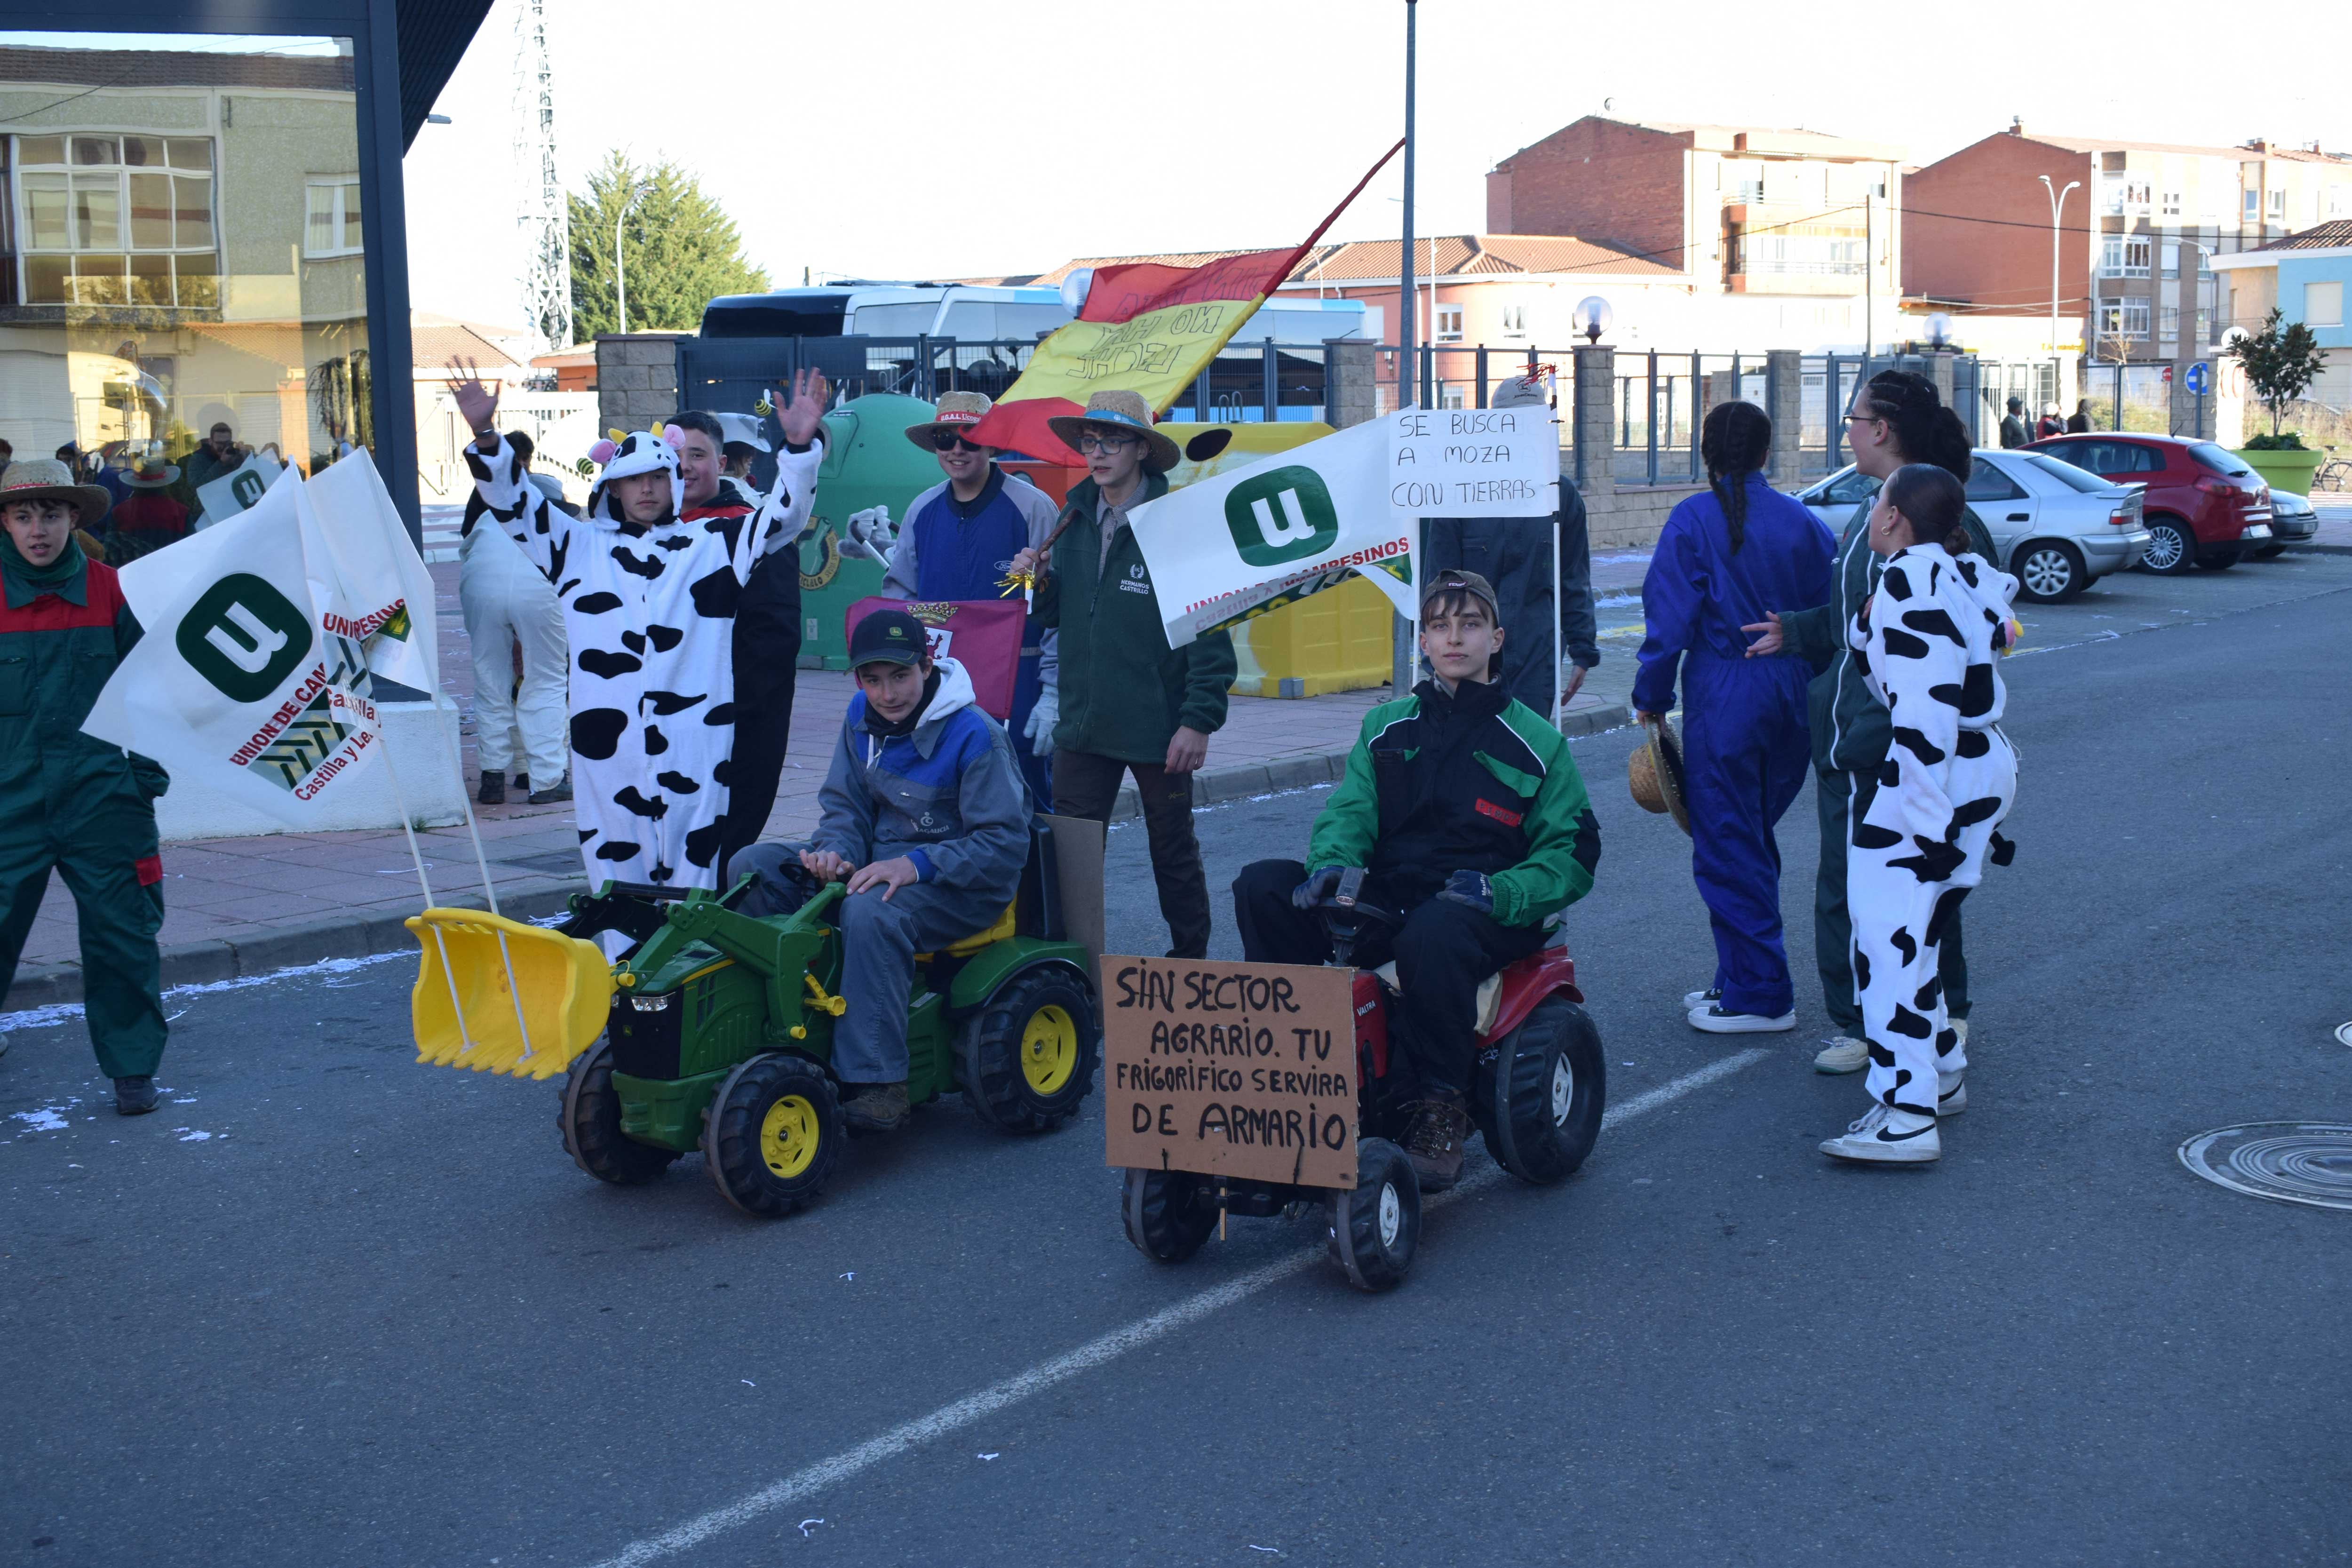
(2202, 505)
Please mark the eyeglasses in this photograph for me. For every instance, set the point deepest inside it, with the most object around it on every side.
(1866, 419)
(950, 441)
(1090, 442)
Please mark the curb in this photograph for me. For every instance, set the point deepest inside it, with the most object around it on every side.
(367, 935)
(2319, 550)
(1217, 786)
(281, 947)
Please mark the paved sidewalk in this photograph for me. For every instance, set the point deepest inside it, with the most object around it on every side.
(245, 906)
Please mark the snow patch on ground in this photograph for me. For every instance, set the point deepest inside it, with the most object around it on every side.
(48, 1119)
(65, 1012)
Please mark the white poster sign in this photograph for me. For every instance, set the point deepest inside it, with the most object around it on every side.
(1301, 520)
(1473, 462)
(239, 490)
(370, 583)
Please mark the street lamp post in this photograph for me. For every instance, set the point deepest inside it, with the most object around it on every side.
(620, 262)
(1405, 301)
(2057, 206)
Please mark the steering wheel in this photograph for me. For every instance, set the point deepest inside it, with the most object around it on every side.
(1346, 916)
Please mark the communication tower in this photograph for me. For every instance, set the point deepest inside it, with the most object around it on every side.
(544, 213)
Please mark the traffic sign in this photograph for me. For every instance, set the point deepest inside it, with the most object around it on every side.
(2200, 378)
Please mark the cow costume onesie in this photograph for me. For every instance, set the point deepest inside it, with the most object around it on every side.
(1926, 641)
(650, 614)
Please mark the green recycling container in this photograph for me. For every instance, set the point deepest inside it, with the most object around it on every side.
(868, 462)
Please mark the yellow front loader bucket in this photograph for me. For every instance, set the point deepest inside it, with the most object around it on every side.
(467, 1013)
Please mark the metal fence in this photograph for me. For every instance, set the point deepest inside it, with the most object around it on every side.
(1240, 386)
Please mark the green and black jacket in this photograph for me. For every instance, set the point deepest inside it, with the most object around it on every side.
(63, 631)
(1467, 781)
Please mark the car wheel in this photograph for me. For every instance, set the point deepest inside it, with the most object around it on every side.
(2171, 547)
(2049, 571)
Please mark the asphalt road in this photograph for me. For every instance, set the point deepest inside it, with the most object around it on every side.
(333, 1307)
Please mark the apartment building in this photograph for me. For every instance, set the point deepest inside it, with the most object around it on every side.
(1740, 209)
(2137, 225)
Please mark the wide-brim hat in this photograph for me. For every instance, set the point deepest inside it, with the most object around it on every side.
(1123, 411)
(152, 477)
(46, 479)
(957, 411)
(745, 431)
(1654, 774)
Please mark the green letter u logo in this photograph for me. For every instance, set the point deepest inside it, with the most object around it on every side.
(245, 636)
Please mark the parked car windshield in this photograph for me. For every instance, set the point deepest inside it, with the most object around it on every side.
(2068, 474)
(2219, 461)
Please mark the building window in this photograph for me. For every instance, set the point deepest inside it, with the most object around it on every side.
(2172, 204)
(1515, 320)
(1449, 323)
(2172, 260)
(331, 216)
(2339, 200)
(2123, 256)
(2278, 206)
(2123, 318)
(2168, 324)
(2204, 324)
(2253, 205)
(1740, 180)
(117, 220)
(2323, 304)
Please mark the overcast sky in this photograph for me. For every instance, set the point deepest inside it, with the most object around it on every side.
(891, 139)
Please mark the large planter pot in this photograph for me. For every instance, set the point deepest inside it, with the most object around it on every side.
(2288, 470)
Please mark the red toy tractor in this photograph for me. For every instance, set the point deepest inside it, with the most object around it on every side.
(1537, 1097)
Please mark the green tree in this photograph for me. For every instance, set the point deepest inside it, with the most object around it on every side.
(681, 249)
(2281, 361)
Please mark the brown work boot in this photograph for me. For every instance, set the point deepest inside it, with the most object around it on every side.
(876, 1106)
(1440, 1126)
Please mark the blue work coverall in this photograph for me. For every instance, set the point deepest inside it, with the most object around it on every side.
(1746, 742)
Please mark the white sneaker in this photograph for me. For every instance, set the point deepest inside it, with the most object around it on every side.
(1843, 1052)
(1706, 998)
(1713, 1020)
(1951, 1093)
(1883, 1136)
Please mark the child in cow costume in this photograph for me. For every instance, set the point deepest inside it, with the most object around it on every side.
(648, 591)
(1926, 640)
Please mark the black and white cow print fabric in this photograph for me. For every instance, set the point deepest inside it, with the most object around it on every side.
(1927, 640)
(650, 615)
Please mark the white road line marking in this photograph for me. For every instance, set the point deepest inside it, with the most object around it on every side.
(802, 1484)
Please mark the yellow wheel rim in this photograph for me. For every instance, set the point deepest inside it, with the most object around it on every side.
(788, 1136)
(1049, 1050)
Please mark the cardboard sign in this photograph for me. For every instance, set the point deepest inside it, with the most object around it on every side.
(983, 636)
(239, 490)
(1473, 462)
(1246, 1071)
(1079, 860)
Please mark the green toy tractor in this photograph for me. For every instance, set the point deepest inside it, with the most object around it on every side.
(714, 1030)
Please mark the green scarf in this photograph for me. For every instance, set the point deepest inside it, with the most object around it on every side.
(30, 582)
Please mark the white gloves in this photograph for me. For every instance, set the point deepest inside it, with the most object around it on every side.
(870, 533)
(1039, 730)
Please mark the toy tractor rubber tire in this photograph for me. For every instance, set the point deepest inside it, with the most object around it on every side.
(772, 1133)
(1376, 1225)
(1168, 1214)
(589, 1117)
(1025, 1060)
(1540, 1104)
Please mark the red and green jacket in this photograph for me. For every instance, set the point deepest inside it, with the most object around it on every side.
(59, 645)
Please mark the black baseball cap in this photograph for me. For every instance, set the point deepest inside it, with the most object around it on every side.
(1461, 582)
(887, 636)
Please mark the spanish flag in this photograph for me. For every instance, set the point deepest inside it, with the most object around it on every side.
(1146, 328)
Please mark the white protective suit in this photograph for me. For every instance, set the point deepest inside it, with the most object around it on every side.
(650, 617)
(507, 600)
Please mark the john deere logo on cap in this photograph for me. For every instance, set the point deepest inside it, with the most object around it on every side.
(1283, 515)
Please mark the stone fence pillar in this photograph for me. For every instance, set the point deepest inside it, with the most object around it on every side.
(1784, 400)
(1350, 393)
(1594, 467)
(636, 379)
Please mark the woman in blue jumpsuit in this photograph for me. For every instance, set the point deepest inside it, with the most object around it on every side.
(1723, 559)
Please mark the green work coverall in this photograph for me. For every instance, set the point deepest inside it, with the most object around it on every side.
(73, 802)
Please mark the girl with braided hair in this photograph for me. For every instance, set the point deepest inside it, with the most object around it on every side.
(1724, 557)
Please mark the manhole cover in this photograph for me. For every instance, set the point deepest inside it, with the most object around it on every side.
(2285, 1161)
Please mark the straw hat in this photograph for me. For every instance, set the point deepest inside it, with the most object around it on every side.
(46, 479)
(1122, 411)
(1654, 774)
(150, 472)
(958, 411)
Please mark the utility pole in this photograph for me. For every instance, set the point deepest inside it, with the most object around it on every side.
(1869, 285)
(1405, 301)
(545, 215)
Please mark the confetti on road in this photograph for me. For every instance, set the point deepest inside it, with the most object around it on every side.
(990, 1455)
(46, 1119)
(804, 1527)
(190, 1135)
(747, 1383)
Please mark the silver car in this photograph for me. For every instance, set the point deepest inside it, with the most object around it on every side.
(2293, 521)
(2056, 529)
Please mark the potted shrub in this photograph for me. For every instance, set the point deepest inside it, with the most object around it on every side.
(2281, 361)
